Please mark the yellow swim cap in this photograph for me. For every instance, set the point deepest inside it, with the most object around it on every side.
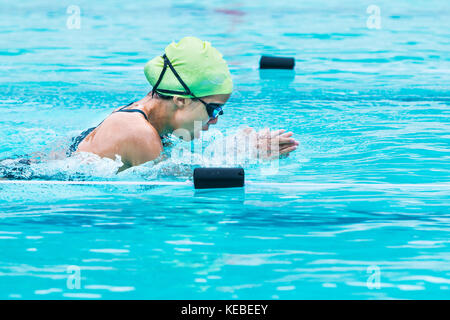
(199, 65)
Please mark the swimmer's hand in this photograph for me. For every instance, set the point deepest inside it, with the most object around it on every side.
(271, 144)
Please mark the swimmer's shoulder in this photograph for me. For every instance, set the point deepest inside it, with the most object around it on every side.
(134, 139)
(139, 143)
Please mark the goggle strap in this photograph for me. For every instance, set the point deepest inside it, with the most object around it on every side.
(167, 62)
(163, 71)
(160, 76)
(216, 111)
(170, 91)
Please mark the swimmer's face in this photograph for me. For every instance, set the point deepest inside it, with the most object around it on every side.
(191, 116)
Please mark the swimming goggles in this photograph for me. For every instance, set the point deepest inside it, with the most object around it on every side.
(213, 109)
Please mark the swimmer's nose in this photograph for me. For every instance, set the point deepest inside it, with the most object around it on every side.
(213, 121)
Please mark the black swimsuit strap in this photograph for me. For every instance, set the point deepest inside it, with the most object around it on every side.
(135, 110)
(132, 110)
(77, 140)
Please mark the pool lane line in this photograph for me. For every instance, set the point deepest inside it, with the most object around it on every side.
(251, 183)
(62, 182)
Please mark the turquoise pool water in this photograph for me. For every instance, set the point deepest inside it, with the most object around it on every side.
(370, 108)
